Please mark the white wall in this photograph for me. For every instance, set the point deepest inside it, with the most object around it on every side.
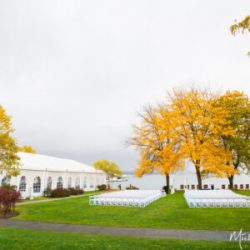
(44, 175)
(190, 179)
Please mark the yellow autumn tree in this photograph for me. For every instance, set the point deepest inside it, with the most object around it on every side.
(9, 159)
(199, 123)
(155, 140)
(241, 26)
(27, 149)
(110, 168)
(237, 105)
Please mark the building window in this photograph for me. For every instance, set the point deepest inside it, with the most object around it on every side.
(247, 186)
(193, 186)
(182, 187)
(91, 184)
(22, 184)
(5, 181)
(37, 185)
(235, 187)
(69, 182)
(85, 182)
(77, 182)
(205, 186)
(59, 183)
(241, 186)
(49, 183)
(223, 186)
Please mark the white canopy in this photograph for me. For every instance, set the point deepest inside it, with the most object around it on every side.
(49, 163)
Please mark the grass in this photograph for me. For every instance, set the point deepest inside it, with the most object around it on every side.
(20, 239)
(168, 212)
(41, 198)
(243, 192)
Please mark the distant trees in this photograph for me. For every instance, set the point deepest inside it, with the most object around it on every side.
(9, 159)
(110, 168)
(212, 131)
(27, 149)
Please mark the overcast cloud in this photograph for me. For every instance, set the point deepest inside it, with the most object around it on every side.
(73, 74)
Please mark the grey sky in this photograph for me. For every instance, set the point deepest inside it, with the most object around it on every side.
(73, 74)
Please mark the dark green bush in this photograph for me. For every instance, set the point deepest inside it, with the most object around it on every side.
(59, 192)
(132, 188)
(102, 187)
(8, 186)
(47, 192)
(74, 191)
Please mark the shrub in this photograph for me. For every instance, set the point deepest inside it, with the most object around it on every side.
(132, 188)
(47, 192)
(74, 191)
(59, 192)
(8, 199)
(102, 187)
(8, 186)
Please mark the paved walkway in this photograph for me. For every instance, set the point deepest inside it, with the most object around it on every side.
(119, 231)
(51, 199)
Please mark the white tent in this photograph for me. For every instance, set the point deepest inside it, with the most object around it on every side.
(39, 172)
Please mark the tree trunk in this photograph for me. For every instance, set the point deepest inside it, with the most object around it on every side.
(198, 174)
(231, 182)
(167, 183)
(231, 178)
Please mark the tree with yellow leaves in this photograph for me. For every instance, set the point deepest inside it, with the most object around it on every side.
(156, 142)
(200, 123)
(9, 159)
(241, 26)
(237, 105)
(110, 168)
(27, 149)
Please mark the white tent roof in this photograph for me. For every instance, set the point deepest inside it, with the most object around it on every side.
(49, 163)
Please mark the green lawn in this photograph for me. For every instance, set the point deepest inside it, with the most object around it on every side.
(243, 192)
(168, 212)
(39, 198)
(21, 239)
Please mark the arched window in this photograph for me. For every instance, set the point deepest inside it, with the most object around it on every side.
(37, 185)
(77, 182)
(85, 182)
(59, 182)
(69, 182)
(91, 185)
(22, 184)
(49, 183)
(5, 181)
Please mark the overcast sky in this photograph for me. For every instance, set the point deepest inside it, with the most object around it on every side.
(73, 74)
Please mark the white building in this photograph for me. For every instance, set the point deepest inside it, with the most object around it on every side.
(39, 172)
(187, 179)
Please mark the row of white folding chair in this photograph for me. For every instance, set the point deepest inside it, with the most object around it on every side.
(122, 202)
(218, 203)
(118, 202)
